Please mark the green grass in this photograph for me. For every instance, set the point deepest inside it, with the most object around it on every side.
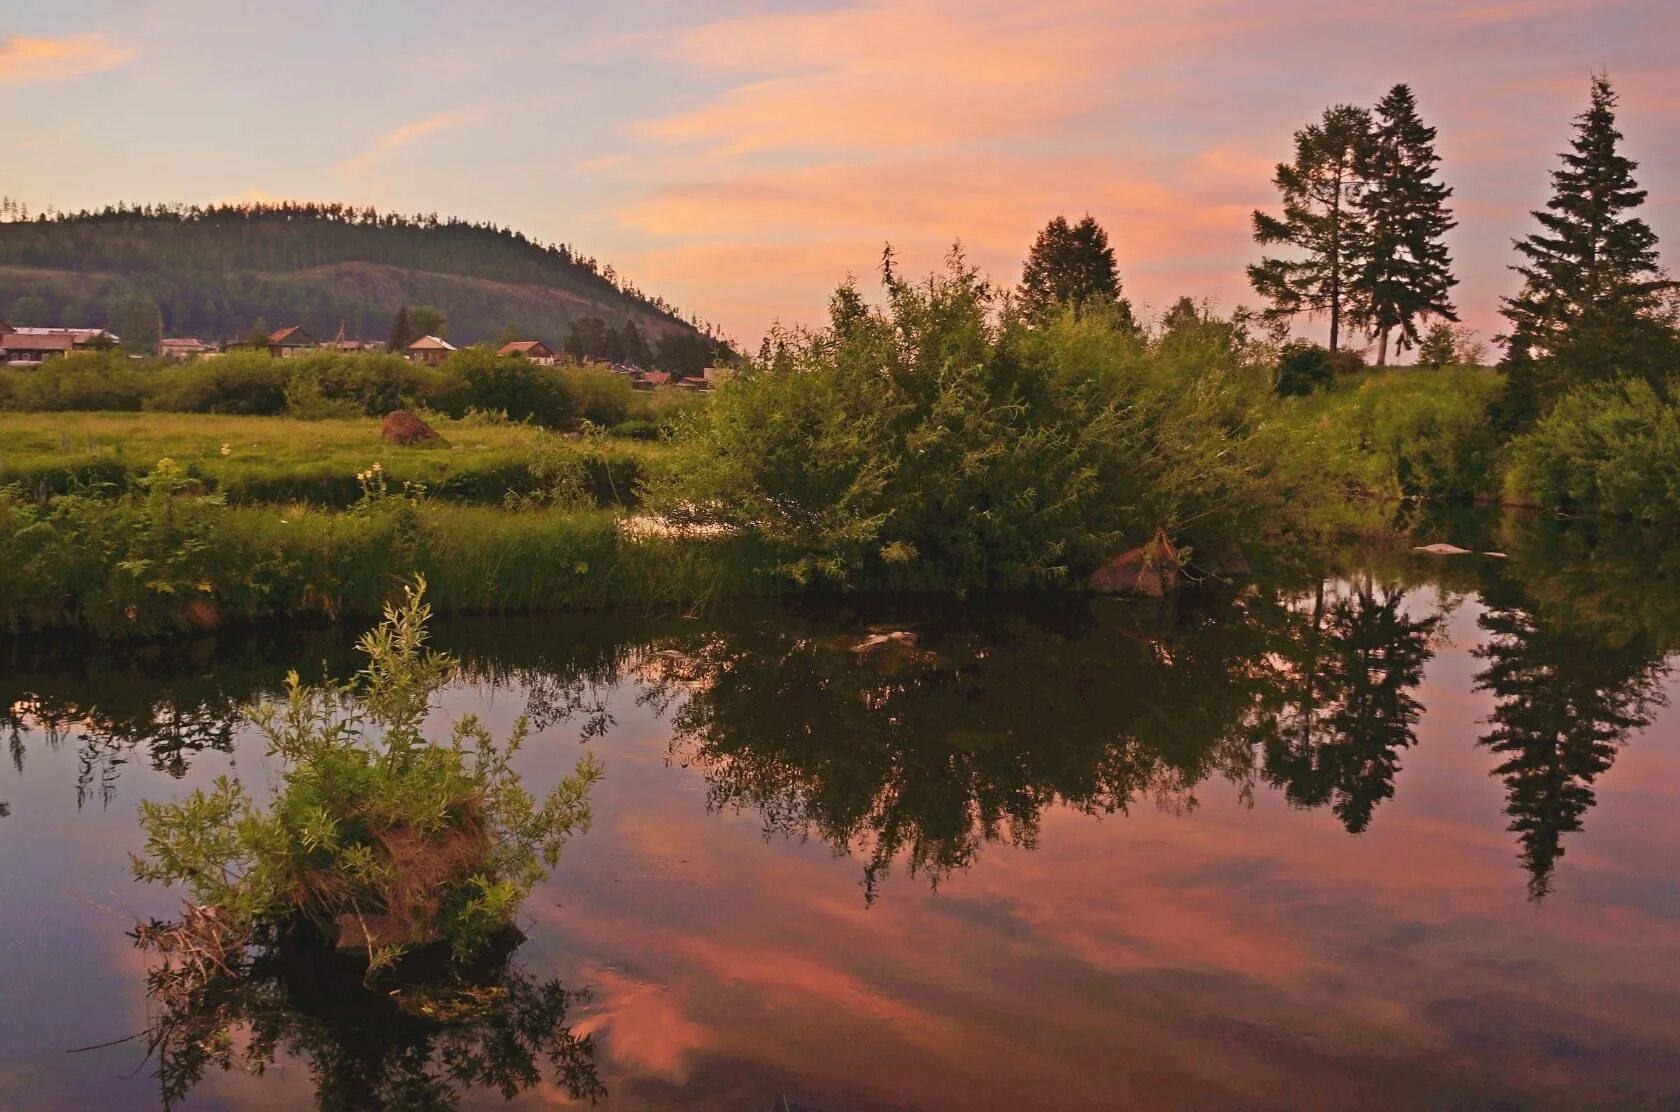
(167, 561)
(279, 459)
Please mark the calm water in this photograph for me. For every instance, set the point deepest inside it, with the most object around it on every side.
(1403, 835)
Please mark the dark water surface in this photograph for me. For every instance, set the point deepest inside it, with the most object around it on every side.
(1403, 836)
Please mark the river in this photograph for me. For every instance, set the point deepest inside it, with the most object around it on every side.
(1397, 832)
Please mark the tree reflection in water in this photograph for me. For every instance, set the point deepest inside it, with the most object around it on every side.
(1575, 663)
(930, 751)
(924, 754)
(1332, 731)
(433, 1037)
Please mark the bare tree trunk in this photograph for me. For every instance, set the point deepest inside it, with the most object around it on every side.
(1382, 349)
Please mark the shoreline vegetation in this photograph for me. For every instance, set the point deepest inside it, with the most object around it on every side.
(947, 436)
(944, 444)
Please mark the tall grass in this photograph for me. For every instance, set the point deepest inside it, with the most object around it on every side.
(166, 559)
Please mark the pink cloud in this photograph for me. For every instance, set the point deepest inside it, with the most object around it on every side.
(26, 60)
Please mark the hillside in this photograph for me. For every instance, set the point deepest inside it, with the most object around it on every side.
(214, 272)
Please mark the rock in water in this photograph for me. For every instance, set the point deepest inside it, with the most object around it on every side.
(1442, 549)
(403, 427)
(1149, 570)
(879, 641)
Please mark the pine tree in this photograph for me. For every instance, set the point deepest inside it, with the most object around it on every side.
(1321, 218)
(1404, 272)
(400, 338)
(1439, 347)
(1594, 301)
(1070, 264)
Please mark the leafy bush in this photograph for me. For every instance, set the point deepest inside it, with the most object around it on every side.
(243, 382)
(935, 444)
(376, 836)
(357, 385)
(1302, 368)
(1345, 362)
(1431, 435)
(1613, 448)
(477, 378)
(600, 396)
(84, 382)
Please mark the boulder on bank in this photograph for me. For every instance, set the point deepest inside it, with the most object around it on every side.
(1150, 570)
(403, 427)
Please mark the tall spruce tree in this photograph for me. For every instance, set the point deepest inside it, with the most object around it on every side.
(1595, 300)
(1321, 219)
(1070, 264)
(1404, 272)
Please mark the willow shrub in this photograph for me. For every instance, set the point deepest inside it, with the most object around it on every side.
(943, 443)
(1430, 433)
(1611, 448)
(376, 835)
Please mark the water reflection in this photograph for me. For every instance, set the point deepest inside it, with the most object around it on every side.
(434, 1037)
(1575, 661)
(923, 754)
(1333, 728)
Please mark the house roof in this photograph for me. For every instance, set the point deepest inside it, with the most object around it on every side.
(525, 347)
(431, 343)
(16, 341)
(77, 335)
(293, 336)
(657, 378)
(183, 342)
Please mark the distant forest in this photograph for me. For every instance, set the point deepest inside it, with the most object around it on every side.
(217, 271)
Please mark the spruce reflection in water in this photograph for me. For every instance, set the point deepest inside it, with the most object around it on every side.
(1579, 628)
(430, 1039)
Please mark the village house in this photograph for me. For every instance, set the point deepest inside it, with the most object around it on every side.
(26, 349)
(81, 339)
(648, 380)
(430, 350)
(288, 343)
(181, 348)
(534, 350)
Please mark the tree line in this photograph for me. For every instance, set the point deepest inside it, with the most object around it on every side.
(212, 270)
(1364, 217)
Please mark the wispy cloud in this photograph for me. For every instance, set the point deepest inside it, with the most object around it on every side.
(887, 76)
(396, 139)
(26, 60)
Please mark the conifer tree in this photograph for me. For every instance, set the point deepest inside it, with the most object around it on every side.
(400, 337)
(1404, 272)
(1595, 300)
(1321, 219)
(1070, 264)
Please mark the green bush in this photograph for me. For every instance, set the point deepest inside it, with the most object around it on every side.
(1431, 435)
(1302, 368)
(477, 378)
(600, 396)
(377, 836)
(1612, 448)
(241, 383)
(83, 382)
(358, 385)
(936, 445)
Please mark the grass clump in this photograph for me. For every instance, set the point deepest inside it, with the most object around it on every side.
(376, 838)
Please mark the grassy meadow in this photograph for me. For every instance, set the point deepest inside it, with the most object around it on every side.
(283, 459)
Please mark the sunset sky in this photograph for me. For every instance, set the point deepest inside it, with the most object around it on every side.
(740, 158)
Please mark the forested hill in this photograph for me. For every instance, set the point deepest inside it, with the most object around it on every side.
(214, 272)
